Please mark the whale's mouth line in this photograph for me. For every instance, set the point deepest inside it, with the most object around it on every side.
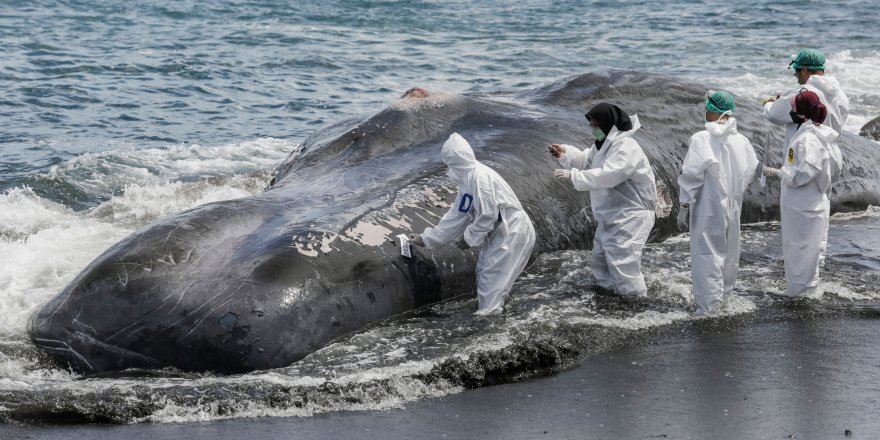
(60, 347)
(88, 364)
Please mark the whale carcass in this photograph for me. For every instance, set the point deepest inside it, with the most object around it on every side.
(262, 281)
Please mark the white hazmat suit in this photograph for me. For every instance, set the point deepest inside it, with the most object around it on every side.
(486, 210)
(622, 195)
(719, 165)
(830, 94)
(810, 166)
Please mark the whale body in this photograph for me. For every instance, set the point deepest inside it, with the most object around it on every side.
(262, 281)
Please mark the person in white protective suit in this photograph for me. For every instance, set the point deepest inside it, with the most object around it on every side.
(809, 68)
(486, 212)
(719, 165)
(620, 180)
(812, 163)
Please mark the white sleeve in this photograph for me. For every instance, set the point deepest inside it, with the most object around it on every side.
(450, 227)
(779, 112)
(752, 170)
(618, 167)
(843, 106)
(486, 214)
(693, 170)
(575, 158)
(804, 166)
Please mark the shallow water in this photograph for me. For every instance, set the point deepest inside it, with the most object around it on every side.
(554, 320)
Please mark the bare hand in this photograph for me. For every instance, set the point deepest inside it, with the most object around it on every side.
(557, 150)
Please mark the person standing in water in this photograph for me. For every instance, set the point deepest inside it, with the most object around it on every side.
(486, 212)
(620, 180)
(811, 164)
(719, 165)
(809, 69)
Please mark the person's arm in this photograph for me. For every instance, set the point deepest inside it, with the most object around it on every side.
(618, 166)
(806, 164)
(779, 111)
(486, 208)
(451, 226)
(693, 170)
(575, 158)
(754, 168)
(843, 108)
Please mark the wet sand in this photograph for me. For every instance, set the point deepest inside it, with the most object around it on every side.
(806, 377)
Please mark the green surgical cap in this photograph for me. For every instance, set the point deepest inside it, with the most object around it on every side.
(720, 102)
(811, 59)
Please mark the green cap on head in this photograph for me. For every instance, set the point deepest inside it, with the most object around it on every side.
(720, 102)
(810, 59)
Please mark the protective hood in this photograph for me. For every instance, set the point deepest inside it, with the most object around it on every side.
(616, 134)
(826, 84)
(459, 157)
(724, 128)
(609, 117)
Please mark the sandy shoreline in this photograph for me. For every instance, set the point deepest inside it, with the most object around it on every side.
(796, 378)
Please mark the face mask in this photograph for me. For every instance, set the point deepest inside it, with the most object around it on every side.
(720, 119)
(600, 135)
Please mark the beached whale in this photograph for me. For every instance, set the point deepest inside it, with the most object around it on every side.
(263, 281)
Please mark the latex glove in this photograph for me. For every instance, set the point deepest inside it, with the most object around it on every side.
(557, 150)
(416, 239)
(462, 244)
(770, 99)
(684, 218)
(771, 172)
(562, 174)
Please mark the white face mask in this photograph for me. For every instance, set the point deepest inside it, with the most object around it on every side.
(720, 119)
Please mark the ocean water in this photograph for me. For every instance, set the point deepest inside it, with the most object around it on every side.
(116, 114)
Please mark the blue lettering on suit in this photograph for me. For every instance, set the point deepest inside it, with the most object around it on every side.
(466, 202)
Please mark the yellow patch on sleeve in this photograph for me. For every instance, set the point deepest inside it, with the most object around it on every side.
(790, 156)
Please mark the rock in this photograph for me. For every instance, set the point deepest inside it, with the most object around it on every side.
(871, 130)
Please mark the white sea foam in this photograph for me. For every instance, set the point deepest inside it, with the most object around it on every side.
(45, 247)
(43, 244)
(110, 171)
(870, 212)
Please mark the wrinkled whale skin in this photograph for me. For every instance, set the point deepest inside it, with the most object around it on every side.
(262, 281)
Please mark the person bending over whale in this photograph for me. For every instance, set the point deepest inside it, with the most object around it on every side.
(810, 166)
(719, 165)
(620, 180)
(486, 212)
